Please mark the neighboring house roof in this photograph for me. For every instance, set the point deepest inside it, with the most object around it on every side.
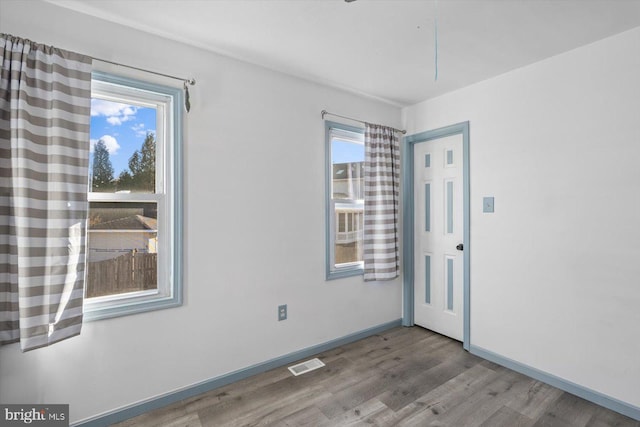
(132, 222)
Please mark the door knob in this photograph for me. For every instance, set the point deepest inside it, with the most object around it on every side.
(459, 246)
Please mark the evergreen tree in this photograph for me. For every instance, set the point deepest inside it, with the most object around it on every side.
(125, 181)
(141, 175)
(134, 164)
(102, 168)
(147, 172)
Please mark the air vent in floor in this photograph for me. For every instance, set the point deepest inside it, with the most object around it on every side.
(304, 367)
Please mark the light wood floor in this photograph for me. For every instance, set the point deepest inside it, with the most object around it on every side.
(404, 377)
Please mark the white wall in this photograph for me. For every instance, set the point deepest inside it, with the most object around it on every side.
(248, 249)
(554, 271)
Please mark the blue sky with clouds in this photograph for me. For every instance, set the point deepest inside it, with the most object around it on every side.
(122, 127)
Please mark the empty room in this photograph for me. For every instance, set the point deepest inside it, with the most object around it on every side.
(320, 212)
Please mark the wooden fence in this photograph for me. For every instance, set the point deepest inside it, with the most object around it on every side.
(126, 273)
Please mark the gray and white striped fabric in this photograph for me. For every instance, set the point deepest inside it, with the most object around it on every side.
(45, 106)
(381, 198)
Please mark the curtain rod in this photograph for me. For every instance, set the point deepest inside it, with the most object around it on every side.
(190, 81)
(325, 112)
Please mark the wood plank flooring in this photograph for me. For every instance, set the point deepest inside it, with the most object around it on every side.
(403, 377)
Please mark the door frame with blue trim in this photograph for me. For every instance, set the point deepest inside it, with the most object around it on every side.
(409, 224)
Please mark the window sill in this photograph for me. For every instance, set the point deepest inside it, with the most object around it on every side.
(345, 272)
(97, 311)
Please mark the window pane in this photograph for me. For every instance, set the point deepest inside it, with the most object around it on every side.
(122, 248)
(348, 191)
(348, 245)
(348, 170)
(123, 147)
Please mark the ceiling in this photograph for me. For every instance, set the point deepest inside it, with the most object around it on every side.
(380, 48)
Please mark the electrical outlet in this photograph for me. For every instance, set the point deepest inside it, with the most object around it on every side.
(282, 312)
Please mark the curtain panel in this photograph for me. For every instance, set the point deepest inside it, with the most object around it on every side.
(381, 200)
(45, 108)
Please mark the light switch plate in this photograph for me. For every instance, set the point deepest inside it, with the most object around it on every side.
(487, 205)
(282, 312)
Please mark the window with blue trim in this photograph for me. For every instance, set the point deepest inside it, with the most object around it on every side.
(133, 234)
(344, 199)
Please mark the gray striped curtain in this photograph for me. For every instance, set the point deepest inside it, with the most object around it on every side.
(381, 184)
(45, 106)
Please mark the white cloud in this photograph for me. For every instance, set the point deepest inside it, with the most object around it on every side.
(114, 120)
(109, 141)
(115, 112)
(139, 129)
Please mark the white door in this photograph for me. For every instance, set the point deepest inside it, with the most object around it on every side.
(438, 228)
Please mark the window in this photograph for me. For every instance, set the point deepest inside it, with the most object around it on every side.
(344, 199)
(133, 235)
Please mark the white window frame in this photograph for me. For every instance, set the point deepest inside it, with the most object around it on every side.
(348, 133)
(168, 102)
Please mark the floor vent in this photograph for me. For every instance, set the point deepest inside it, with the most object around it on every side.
(304, 367)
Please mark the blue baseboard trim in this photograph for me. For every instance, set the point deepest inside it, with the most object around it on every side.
(578, 390)
(208, 385)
